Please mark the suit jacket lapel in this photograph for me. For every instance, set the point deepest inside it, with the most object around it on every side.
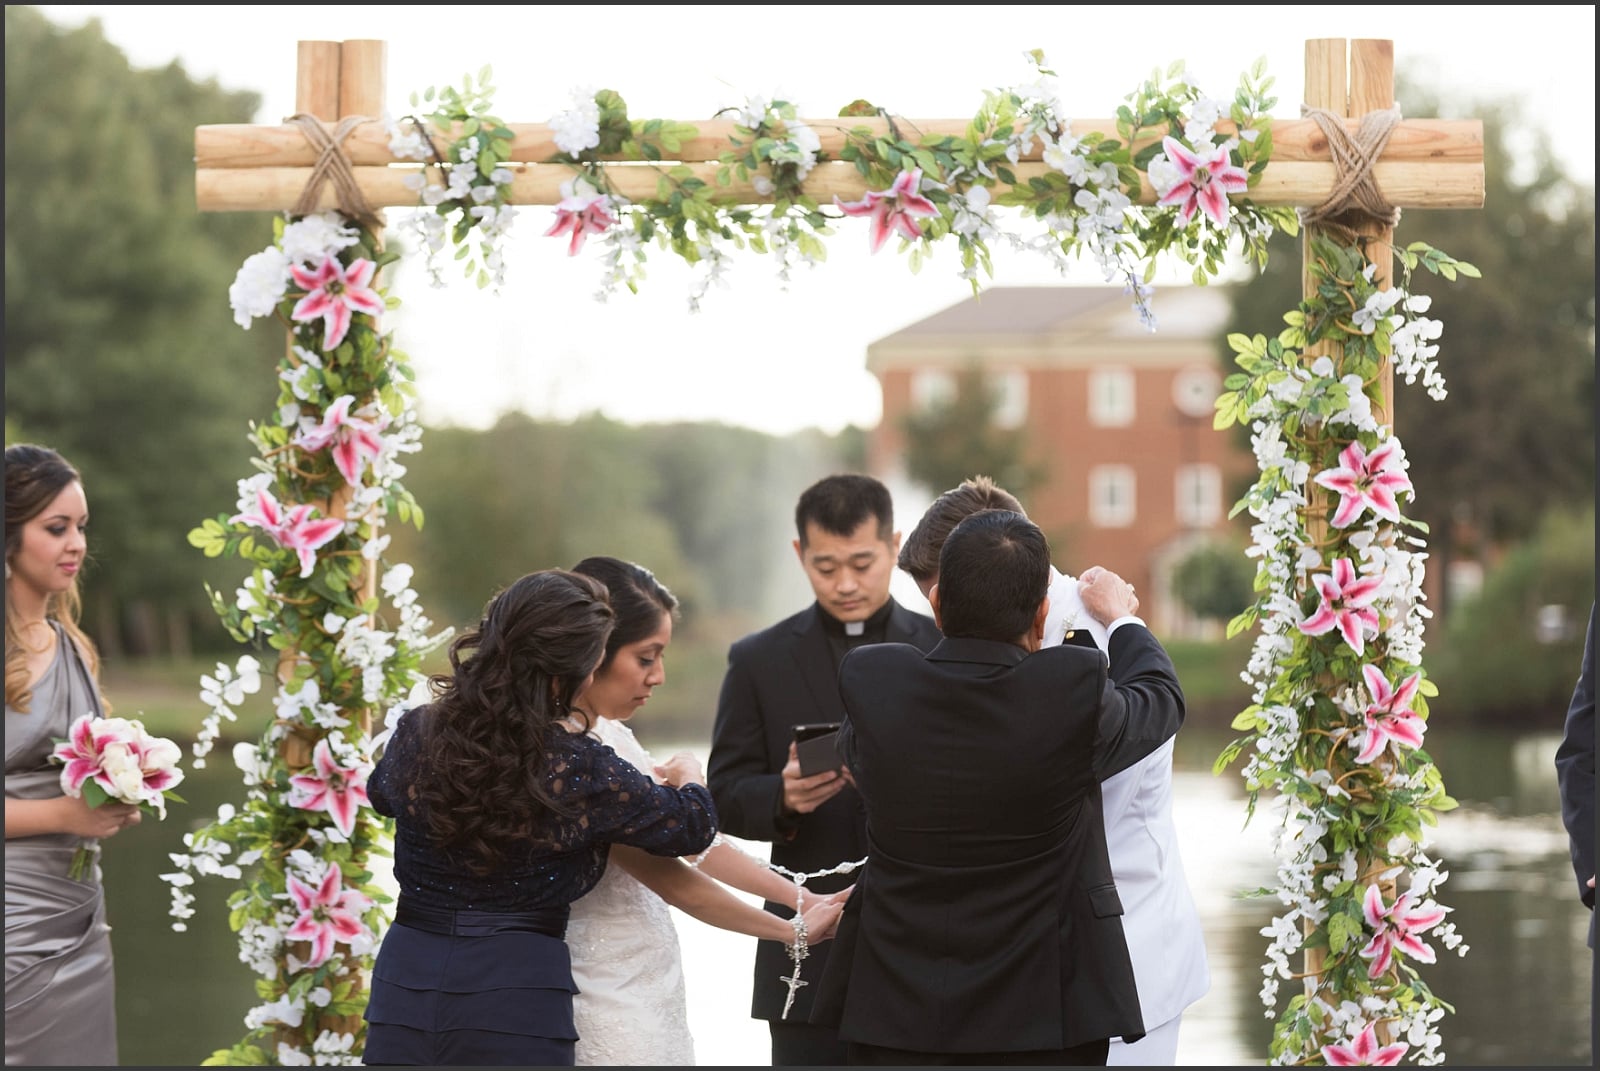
(815, 659)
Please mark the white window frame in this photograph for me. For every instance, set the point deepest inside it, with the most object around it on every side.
(1010, 387)
(1111, 397)
(931, 388)
(1113, 496)
(1197, 495)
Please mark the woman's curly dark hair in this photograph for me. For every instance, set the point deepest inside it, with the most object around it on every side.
(484, 752)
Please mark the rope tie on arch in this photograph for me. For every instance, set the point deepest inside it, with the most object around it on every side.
(1355, 189)
(333, 165)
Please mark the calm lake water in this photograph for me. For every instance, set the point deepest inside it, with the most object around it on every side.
(1521, 994)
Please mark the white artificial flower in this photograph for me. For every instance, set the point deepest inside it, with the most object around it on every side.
(259, 286)
(577, 128)
(312, 239)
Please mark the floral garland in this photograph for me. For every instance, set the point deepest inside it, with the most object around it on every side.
(307, 909)
(928, 189)
(1339, 706)
(1357, 790)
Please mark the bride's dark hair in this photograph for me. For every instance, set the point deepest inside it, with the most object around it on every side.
(637, 598)
(484, 750)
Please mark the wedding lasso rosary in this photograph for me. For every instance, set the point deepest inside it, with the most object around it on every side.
(799, 949)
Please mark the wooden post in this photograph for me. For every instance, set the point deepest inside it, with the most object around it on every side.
(1365, 85)
(316, 86)
(335, 79)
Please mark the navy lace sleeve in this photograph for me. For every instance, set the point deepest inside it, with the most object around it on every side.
(620, 803)
(606, 799)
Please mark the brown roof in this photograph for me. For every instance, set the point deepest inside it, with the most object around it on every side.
(1015, 310)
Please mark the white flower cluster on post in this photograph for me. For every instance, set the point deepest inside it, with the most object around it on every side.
(1338, 712)
(345, 633)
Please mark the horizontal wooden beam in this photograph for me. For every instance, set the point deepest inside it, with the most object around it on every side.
(1410, 184)
(1293, 140)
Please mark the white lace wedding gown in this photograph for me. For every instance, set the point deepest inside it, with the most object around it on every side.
(631, 1006)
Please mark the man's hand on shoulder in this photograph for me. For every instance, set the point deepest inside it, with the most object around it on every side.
(1106, 596)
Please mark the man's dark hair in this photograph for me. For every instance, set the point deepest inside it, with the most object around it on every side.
(838, 504)
(919, 554)
(994, 571)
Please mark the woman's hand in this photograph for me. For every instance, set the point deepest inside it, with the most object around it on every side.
(682, 769)
(106, 820)
(822, 917)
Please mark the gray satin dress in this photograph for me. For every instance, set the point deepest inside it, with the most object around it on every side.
(60, 995)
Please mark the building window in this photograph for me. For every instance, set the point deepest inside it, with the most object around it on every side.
(931, 389)
(1010, 389)
(1199, 495)
(1111, 490)
(1195, 390)
(1111, 397)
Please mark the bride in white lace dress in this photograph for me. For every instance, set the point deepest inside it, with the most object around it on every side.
(631, 1007)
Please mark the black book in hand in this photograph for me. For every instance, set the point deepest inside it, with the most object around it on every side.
(816, 747)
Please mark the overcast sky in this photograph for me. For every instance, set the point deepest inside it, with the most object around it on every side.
(757, 355)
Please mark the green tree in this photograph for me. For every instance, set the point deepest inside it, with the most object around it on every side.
(1215, 581)
(708, 507)
(728, 494)
(950, 440)
(120, 350)
(1498, 656)
(1515, 437)
(526, 495)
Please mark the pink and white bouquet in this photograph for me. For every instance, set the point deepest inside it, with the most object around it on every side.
(116, 759)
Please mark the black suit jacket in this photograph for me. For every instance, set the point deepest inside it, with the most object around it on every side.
(778, 678)
(987, 918)
(1575, 773)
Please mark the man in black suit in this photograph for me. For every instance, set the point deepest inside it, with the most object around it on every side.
(1575, 773)
(787, 675)
(986, 926)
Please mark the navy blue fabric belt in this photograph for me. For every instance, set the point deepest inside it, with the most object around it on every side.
(550, 921)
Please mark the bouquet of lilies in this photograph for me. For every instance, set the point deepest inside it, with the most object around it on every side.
(116, 759)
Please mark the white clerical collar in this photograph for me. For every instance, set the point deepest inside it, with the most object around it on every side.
(854, 628)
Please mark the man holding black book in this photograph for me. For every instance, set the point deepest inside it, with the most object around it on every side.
(787, 676)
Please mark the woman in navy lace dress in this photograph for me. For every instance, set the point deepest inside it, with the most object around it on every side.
(503, 818)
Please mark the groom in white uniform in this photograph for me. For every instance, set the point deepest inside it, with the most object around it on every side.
(1160, 922)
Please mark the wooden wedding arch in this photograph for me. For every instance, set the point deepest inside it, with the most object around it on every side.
(1349, 177)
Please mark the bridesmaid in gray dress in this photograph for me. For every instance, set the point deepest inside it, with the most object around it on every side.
(60, 1003)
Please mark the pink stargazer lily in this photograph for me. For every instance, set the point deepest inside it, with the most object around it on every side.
(355, 440)
(1366, 481)
(293, 529)
(328, 914)
(1346, 605)
(80, 754)
(98, 749)
(1364, 1051)
(893, 209)
(583, 210)
(1204, 181)
(1390, 716)
(1396, 927)
(339, 790)
(333, 294)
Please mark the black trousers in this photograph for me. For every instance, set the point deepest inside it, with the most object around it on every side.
(1089, 1054)
(804, 1045)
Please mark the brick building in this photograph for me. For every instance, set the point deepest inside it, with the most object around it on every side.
(1121, 417)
